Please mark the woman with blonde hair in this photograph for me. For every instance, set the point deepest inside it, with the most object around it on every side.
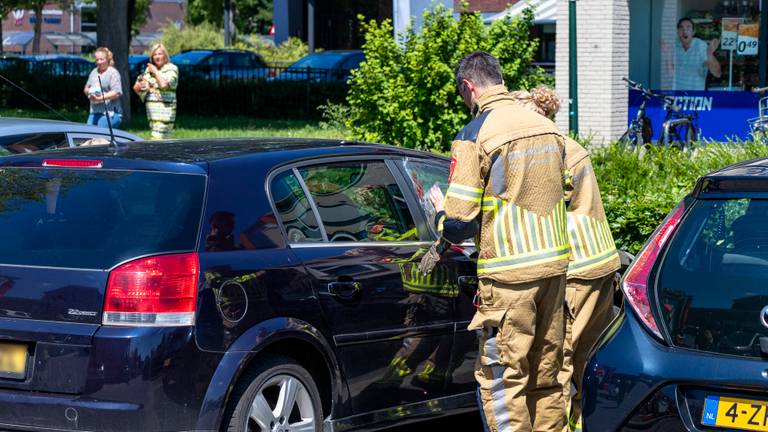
(594, 259)
(104, 98)
(157, 88)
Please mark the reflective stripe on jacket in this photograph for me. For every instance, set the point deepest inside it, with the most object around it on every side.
(593, 251)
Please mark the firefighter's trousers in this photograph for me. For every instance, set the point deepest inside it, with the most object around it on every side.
(589, 310)
(521, 353)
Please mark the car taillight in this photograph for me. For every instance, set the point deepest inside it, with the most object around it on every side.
(635, 284)
(156, 291)
(73, 163)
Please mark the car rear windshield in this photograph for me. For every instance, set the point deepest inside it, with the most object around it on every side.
(713, 282)
(95, 219)
(319, 61)
(190, 58)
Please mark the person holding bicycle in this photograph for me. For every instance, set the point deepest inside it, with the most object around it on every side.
(693, 58)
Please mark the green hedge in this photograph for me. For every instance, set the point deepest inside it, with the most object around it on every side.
(639, 189)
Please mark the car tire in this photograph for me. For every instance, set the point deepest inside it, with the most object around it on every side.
(257, 400)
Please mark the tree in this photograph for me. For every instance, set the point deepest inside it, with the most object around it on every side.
(6, 7)
(37, 7)
(113, 32)
(138, 14)
(250, 16)
(405, 93)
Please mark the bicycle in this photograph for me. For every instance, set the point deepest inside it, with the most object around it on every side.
(758, 126)
(679, 130)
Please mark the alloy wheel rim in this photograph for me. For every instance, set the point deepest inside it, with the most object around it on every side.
(282, 404)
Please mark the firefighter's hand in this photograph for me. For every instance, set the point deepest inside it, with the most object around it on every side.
(436, 197)
(430, 259)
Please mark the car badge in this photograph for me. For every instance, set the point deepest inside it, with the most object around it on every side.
(764, 316)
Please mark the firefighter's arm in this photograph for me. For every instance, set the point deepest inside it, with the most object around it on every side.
(458, 219)
(584, 194)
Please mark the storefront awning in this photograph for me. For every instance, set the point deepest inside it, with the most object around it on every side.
(546, 11)
(23, 39)
(17, 38)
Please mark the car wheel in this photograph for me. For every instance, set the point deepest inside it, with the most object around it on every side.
(276, 395)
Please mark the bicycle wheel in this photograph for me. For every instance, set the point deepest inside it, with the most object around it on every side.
(629, 140)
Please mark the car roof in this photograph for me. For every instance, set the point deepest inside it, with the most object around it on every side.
(750, 168)
(197, 151)
(750, 176)
(40, 57)
(18, 126)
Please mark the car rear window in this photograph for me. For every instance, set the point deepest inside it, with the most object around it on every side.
(320, 61)
(95, 219)
(190, 58)
(713, 281)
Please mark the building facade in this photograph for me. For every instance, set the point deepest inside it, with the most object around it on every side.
(73, 29)
(646, 41)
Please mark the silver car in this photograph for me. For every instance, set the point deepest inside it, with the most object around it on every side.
(25, 135)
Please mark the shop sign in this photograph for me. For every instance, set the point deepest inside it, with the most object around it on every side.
(722, 115)
(748, 39)
(730, 33)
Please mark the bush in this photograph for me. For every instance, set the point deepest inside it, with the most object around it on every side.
(639, 189)
(203, 36)
(287, 52)
(405, 92)
(208, 36)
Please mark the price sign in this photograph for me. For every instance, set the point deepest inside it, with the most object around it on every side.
(747, 42)
(730, 33)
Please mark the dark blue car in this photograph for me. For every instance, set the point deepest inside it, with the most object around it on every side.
(221, 64)
(690, 350)
(240, 285)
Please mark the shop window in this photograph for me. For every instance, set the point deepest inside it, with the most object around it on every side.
(709, 44)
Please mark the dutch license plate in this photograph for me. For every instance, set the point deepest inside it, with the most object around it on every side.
(735, 413)
(13, 360)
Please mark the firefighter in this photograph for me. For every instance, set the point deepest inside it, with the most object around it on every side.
(594, 259)
(506, 184)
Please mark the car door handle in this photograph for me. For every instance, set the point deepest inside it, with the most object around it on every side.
(345, 290)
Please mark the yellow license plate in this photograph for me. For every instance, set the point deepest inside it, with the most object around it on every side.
(735, 413)
(13, 360)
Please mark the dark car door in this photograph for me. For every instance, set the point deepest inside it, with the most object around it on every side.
(392, 329)
(459, 261)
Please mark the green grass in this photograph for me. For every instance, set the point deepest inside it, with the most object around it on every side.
(208, 127)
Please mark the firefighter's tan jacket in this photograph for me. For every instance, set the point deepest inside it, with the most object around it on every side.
(507, 170)
(593, 252)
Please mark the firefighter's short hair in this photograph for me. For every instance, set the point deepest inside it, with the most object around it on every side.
(481, 68)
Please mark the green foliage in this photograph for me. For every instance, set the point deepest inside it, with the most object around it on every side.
(203, 36)
(639, 189)
(287, 52)
(250, 16)
(208, 36)
(405, 92)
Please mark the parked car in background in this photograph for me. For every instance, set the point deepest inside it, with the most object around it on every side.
(323, 66)
(253, 284)
(688, 352)
(221, 64)
(136, 65)
(60, 65)
(25, 135)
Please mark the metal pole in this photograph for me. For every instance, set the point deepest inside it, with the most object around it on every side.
(573, 76)
(311, 25)
(227, 22)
